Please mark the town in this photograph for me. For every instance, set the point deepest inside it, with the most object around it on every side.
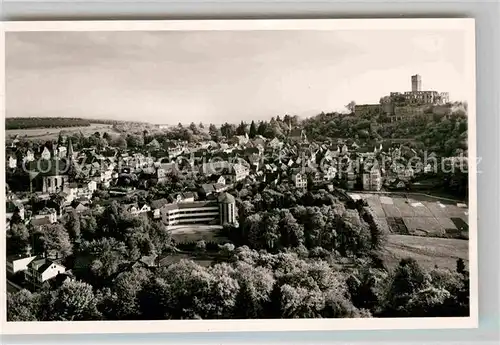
(103, 206)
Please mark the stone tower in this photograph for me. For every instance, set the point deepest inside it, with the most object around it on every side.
(416, 83)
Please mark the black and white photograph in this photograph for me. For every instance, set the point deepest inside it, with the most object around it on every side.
(240, 171)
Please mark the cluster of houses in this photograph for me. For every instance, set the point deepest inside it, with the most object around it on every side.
(216, 168)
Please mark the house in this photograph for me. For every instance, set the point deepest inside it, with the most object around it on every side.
(241, 139)
(89, 187)
(30, 156)
(156, 206)
(372, 179)
(164, 170)
(12, 162)
(133, 208)
(71, 190)
(62, 152)
(275, 144)
(13, 206)
(299, 180)
(143, 208)
(329, 173)
(79, 207)
(49, 176)
(428, 168)
(236, 173)
(40, 270)
(182, 197)
(174, 152)
(45, 216)
(221, 180)
(344, 149)
(18, 263)
(351, 176)
(45, 153)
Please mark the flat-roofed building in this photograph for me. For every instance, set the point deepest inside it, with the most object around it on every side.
(214, 212)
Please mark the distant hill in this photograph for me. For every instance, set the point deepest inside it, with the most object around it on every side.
(57, 122)
(44, 122)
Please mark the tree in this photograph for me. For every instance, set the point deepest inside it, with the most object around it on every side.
(107, 255)
(120, 142)
(242, 128)
(88, 226)
(256, 285)
(135, 140)
(190, 286)
(226, 250)
(55, 240)
(262, 129)
(194, 128)
(351, 106)
(73, 301)
(253, 130)
(461, 266)
(155, 299)
(223, 291)
(408, 278)
(22, 306)
(428, 302)
(127, 287)
(73, 225)
(292, 233)
(214, 132)
(228, 130)
(18, 239)
(201, 246)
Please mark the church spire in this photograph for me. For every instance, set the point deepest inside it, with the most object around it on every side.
(70, 149)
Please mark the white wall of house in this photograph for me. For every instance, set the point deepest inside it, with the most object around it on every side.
(52, 271)
(19, 265)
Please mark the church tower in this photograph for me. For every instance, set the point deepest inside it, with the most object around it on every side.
(70, 150)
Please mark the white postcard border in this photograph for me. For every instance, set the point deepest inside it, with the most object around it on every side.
(466, 25)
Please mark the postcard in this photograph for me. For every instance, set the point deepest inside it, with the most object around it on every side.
(239, 175)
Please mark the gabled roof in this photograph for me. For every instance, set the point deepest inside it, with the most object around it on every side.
(159, 203)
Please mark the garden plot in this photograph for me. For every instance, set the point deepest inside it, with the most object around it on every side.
(438, 210)
(426, 226)
(376, 206)
(391, 210)
(404, 208)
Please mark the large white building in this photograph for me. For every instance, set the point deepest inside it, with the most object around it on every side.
(219, 212)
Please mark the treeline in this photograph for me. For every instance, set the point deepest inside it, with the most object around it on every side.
(44, 122)
(323, 262)
(253, 285)
(431, 132)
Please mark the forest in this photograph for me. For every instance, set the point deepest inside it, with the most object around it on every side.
(319, 258)
(44, 122)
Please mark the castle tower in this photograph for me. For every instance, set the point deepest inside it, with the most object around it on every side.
(416, 83)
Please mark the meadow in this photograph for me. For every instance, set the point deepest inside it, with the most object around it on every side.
(53, 133)
(428, 251)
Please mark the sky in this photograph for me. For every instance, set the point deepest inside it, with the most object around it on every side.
(166, 77)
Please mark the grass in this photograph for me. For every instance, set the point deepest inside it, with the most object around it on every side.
(428, 251)
(52, 133)
(197, 233)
